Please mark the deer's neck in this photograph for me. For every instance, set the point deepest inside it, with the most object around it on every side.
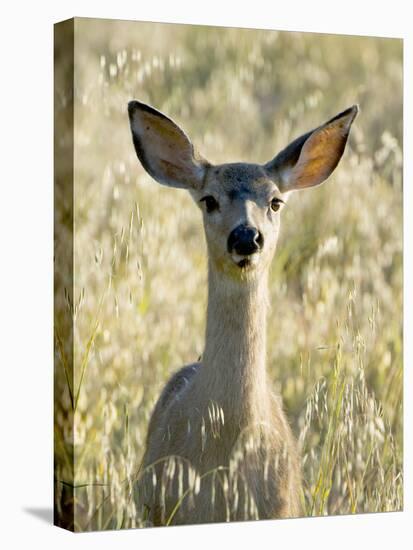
(234, 360)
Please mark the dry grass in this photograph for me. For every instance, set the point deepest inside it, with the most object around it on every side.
(335, 329)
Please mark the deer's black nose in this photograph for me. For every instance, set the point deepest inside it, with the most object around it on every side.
(245, 240)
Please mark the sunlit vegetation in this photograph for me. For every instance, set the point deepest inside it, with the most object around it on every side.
(335, 326)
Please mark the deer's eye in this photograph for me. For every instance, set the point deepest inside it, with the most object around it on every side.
(275, 204)
(211, 204)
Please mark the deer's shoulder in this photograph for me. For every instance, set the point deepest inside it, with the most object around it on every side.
(178, 381)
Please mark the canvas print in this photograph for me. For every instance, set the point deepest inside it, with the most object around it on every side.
(228, 274)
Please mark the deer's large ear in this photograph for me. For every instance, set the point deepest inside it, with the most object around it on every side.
(311, 158)
(163, 148)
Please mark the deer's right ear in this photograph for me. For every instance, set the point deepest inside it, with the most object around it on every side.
(311, 158)
(163, 148)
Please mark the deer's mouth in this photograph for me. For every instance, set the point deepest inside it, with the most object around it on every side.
(245, 262)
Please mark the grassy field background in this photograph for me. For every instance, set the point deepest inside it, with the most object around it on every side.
(335, 327)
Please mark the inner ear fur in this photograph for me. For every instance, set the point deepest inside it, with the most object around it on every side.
(164, 150)
(310, 159)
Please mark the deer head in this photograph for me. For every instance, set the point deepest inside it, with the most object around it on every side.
(240, 202)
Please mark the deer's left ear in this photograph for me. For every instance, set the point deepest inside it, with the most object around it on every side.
(164, 150)
(311, 158)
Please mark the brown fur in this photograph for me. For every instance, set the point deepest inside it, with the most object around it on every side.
(219, 446)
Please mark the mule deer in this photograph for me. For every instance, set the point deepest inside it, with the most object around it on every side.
(219, 446)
